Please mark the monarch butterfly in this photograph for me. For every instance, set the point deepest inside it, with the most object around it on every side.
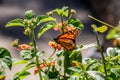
(67, 40)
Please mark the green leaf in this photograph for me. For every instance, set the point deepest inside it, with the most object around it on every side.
(44, 28)
(74, 77)
(24, 73)
(20, 62)
(44, 18)
(4, 52)
(15, 22)
(76, 55)
(116, 71)
(21, 75)
(40, 53)
(59, 62)
(6, 62)
(2, 75)
(26, 54)
(30, 65)
(113, 33)
(96, 75)
(29, 14)
(115, 58)
(91, 64)
(75, 69)
(5, 58)
(112, 52)
(59, 11)
(66, 13)
(63, 11)
(59, 53)
(101, 29)
(76, 22)
(67, 63)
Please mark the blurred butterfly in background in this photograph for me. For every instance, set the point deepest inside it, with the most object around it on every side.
(67, 39)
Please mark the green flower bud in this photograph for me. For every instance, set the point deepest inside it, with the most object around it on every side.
(34, 20)
(28, 23)
(50, 13)
(15, 43)
(73, 11)
(27, 31)
(29, 14)
(31, 24)
(25, 20)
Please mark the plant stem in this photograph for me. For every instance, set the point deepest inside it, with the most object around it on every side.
(111, 26)
(86, 76)
(66, 63)
(62, 24)
(82, 67)
(52, 53)
(35, 51)
(103, 58)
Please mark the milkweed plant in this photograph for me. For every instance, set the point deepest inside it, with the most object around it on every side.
(68, 63)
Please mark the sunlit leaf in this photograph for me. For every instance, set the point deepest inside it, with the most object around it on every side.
(76, 22)
(59, 11)
(66, 13)
(24, 73)
(91, 64)
(62, 12)
(21, 75)
(44, 18)
(96, 75)
(101, 29)
(116, 58)
(20, 62)
(112, 34)
(15, 23)
(116, 71)
(75, 69)
(30, 65)
(44, 28)
(74, 77)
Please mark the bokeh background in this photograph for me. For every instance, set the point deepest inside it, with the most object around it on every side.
(105, 10)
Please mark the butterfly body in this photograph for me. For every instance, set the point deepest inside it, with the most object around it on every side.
(67, 40)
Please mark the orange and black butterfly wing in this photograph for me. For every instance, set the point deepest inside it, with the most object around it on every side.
(67, 43)
(67, 40)
(69, 35)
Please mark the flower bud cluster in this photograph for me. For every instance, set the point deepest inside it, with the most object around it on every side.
(55, 45)
(15, 43)
(116, 43)
(24, 47)
(66, 28)
(30, 25)
(75, 63)
(44, 65)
